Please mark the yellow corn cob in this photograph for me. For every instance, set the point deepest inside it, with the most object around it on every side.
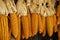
(40, 24)
(29, 23)
(55, 23)
(19, 33)
(14, 24)
(44, 26)
(25, 26)
(6, 30)
(34, 23)
(50, 25)
(2, 27)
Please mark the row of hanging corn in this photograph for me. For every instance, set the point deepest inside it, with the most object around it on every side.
(28, 17)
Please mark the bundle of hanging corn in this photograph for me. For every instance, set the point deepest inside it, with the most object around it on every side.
(29, 17)
(51, 19)
(12, 17)
(25, 18)
(4, 30)
(42, 19)
(48, 17)
(34, 17)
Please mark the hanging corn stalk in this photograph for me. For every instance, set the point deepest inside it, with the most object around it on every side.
(19, 27)
(22, 10)
(34, 11)
(43, 19)
(54, 16)
(41, 28)
(52, 10)
(47, 11)
(13, 17)
(29, 17)
(4, 31)
(50, 23)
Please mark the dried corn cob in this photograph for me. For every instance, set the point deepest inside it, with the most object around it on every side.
(25, 26)
(2, 27)
(14, 24)
(29, 17)
(49, 25)
(34, 24)
(40, 24)
(19, 29)
(44, 26)
(29, 23)
(55, 23)
(6, 28)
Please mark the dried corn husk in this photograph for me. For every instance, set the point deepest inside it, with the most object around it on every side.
(22, 11)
